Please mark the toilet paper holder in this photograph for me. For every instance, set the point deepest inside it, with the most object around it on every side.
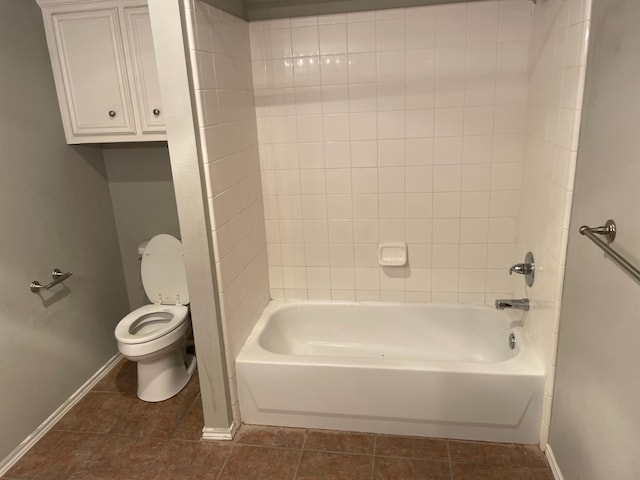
(58, 277)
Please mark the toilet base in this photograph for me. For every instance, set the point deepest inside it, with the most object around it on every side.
(162, 378)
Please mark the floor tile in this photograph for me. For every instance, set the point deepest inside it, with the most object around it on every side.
(271, 436)
(158, 419)
(512, 473)
(260, 463)
(467, 471)
(412, 447)
(486, 453)
(391, 468)
(505, 455)
(540, 474)
(346, 442)
(123, 378)
(119, 457)
(534, 456)
(334, 466)
(56, 456)
(97, 412)
(195, 380)
(193, 460)
(190, 428)
(112, 435)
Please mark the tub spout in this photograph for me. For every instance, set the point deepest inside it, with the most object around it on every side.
(518, 304)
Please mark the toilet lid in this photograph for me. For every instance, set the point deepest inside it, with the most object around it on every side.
(163, 273)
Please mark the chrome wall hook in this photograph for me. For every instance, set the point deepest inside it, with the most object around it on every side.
(58, 277)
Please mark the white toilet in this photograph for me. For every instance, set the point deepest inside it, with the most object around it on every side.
(155, 335)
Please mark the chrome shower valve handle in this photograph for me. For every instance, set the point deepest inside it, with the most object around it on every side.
(527, 268)
(521, 268)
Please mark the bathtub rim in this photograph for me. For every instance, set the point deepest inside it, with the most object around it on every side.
(526, 362)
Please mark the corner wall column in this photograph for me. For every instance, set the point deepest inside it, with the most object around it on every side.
(167, 19)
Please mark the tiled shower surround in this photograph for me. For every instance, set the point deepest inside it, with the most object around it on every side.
(402, 125)
(556, 84)
(415, 125)
(219, 47)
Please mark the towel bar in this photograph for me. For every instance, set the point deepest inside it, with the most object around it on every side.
(609, 232)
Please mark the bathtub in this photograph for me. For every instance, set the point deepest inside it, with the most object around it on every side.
(426, 370)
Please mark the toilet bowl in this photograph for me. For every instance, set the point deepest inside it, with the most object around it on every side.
(155, 335)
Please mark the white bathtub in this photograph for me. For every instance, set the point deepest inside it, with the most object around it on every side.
(426, 370)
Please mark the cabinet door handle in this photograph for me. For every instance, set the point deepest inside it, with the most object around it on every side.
(156, 112)
(112, 113)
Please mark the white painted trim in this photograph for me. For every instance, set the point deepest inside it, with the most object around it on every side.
(213, 433)
(60, 412)
(555, 468)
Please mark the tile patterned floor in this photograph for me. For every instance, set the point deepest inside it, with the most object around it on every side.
(112, 435)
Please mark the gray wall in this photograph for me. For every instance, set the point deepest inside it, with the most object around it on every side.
(55, 212)
(235, 7)
(595, 424)
(144, 203)
(267, 9)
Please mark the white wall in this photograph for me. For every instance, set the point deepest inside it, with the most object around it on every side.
(55, 212)
(144, 203)
(556, 83)
(393, 125)
(595, 424)
(220, 55)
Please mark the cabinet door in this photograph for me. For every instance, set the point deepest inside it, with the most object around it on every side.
(92, 66)
(145, 72)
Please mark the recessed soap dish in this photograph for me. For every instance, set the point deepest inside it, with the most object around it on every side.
(392, 254)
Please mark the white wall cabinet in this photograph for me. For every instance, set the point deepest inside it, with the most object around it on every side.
(105, 70)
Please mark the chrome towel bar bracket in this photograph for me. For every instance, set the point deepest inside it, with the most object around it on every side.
(58, 277)
(609, 232)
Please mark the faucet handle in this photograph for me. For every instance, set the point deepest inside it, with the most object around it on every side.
(521, 268)
(518, 268)
(526, 268)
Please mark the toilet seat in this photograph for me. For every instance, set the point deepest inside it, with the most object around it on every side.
(149, 323)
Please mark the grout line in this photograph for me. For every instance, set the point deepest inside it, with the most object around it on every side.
(373, 456)
(449, 457)
(224, 464)
(304, 441)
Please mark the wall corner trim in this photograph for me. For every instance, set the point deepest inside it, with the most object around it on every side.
(213, 433)
(60, 412)
(555, 468)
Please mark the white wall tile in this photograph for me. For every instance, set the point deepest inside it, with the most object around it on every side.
(364, 153)
(419, 151)
(333, 38)
(395, 125)
(451, 25)
(361, 37)
(390, 34)
(391, 67)
(420, 29)
(362, 67)
(229, 133)
(334, 69)
(337, 155)
(362, 97)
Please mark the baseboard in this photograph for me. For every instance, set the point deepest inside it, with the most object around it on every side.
(555, 469)
(45, 426)
(212, 433)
